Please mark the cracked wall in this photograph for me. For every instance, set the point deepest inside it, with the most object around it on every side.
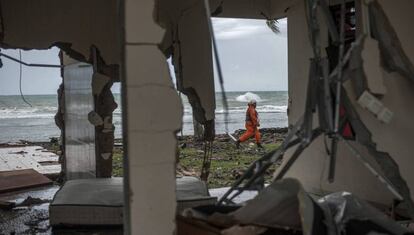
(75, 27)
(312, 167)
(154, 113)
(188, 41)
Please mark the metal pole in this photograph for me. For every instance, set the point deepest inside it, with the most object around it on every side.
(334, 146)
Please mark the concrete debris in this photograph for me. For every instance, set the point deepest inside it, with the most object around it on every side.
(28, 202)
(31, 217)
(352, 215)
(95, 119)
(31, 201)
(7, 205)
(285, 207)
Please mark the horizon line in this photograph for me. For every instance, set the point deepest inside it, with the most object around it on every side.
(120, 93)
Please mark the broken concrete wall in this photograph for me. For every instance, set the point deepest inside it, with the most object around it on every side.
(104, 106)
(104, 134)
(60, 123)
(250, 9)
(394, 138)
(279, 8)
(188, 41)
(76, 27)
(73, 25)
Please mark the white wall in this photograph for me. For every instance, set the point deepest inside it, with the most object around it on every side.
(154, 113)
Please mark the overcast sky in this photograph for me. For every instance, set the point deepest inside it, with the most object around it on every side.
(253, 58)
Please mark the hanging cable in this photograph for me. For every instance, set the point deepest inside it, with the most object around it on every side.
(31, 65)
(20, 79)
(208, 154)
(218, 65)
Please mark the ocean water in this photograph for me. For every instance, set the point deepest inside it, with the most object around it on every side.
(18, 121)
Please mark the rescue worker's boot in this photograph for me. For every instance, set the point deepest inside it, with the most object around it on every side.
(238, 144)
(259, 145)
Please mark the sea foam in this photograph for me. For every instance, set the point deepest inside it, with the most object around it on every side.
(246, 97)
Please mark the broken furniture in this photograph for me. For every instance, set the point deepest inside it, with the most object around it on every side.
(99, 202)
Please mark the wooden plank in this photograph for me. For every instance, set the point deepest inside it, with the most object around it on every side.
(21, 179)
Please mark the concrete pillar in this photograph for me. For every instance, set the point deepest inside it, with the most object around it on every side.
(104, 134)
(198, 129)
(153, 111)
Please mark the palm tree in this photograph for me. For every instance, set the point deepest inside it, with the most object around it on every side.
(273, 25)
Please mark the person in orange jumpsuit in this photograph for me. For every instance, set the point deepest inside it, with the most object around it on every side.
(252, 124)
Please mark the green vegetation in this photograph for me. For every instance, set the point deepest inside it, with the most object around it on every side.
(227, 164)
(117, 165)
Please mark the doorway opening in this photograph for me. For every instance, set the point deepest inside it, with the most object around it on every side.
(254, 66)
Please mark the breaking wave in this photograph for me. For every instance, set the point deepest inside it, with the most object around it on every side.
(242, 109)
(246, 97)
(259, 109)
(16, 113)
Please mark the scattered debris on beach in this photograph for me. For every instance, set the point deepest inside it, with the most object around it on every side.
(228, 163)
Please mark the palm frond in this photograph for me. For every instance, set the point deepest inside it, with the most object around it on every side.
(273, 25)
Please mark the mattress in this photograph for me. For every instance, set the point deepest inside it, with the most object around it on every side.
(95, 202)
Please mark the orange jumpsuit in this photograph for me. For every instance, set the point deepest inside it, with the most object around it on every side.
(252, 122)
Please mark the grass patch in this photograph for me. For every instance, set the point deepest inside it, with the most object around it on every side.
(228, 163)
(117, 165)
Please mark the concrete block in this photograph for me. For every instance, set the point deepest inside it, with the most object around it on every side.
(95, 119)
(154, 108)
(151, 148)
(139, 22)
(152, 199)
(146, 65)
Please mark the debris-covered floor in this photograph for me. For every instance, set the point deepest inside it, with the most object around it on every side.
(31, 217)
(31, 214)
(24, 156)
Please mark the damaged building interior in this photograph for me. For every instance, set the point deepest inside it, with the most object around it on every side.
(345, 162)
